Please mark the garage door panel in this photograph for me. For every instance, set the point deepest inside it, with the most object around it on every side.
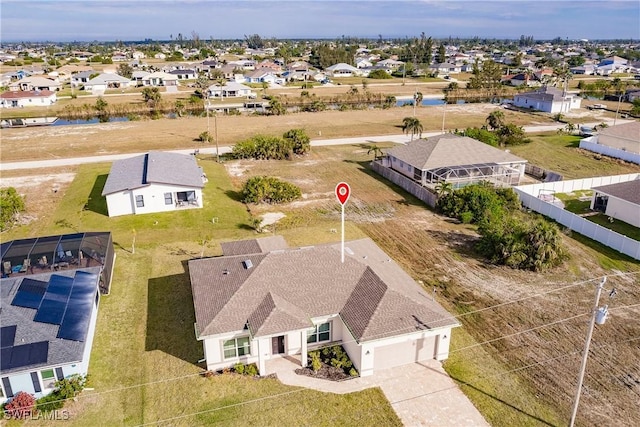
(388, 356)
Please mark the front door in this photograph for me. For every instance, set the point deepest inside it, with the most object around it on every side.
(277, 345)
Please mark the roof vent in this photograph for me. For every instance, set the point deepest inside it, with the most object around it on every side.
(247, 264)
(225, 271)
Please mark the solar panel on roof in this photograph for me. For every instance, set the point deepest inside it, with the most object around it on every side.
(24, 355)
(54, 303)
(7, 336)
(29, 293)
(75, 323)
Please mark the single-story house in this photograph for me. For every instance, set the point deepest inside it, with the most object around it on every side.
(154, 182)
(99, 84)
(343, 70)
(454, 159)
(620, 141)
(363, 63)
(444, 68)
(587, 69)
(263, 300)
(27, 98)
(160, 78)
(391, 63)
(138, 75)
(184, 74)
(260, 75)
(620, 201)
(523, 79)
(49, 296)
(230, 90)
(548, 99)
(81, 78)
(35, 83)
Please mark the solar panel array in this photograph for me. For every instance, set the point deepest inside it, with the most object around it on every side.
(24, 355)
(65, 301)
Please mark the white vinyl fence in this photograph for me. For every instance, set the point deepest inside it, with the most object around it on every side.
(530, 197)
(402, 181)
(610, 151)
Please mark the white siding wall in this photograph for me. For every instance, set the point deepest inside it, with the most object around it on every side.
(623, 210)
(402, 167)
(124, 203)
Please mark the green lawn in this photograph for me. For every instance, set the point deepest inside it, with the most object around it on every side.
(144, 364)
(560, 154)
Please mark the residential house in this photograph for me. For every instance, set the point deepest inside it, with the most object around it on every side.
(586, 69)
(230, 90)
(137, 76)
(260, 75)
(390, 63)
(184, 74)
(244, 64)
(363, 63)
(620, 141)
(262, 300)
(49, 297)
(159, 79)
(454, 159)
(343, 70)
(81, 78)
(99, 84)
(35, 83)
(548, 99)
(270, 65)
(522, 79)
(154, 182)
(27, 98)
(619, 201)
(229, 71)
(445, 68)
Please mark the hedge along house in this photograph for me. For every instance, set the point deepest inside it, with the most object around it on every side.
(154, 182)
(262, 300)
(48, 308)
(457, 160)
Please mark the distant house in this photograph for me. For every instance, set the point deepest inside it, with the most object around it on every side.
(35, 83)
(159, 79)
(454, 159)
(587, 69)
(548, 99)
(261, 300)
(27, 98)
(363, 63)
(619, 201)
(260, 75)
(444, 68)
(99, 84)
(184, 74)
(154, 182)
(524, 79)
(81, 78)
(390, 63)
(230, 90)
(343, 70)
(137, 76)
(49, 297)
(620, 141)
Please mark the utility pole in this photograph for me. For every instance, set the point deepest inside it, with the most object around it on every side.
(215, 124)
(597, 316)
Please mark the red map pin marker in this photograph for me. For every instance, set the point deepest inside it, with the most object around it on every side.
(342, 192)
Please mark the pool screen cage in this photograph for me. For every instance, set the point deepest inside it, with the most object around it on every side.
(461, 176)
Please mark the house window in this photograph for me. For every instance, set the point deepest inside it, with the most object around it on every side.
(48, 378)
(140, 201)
(319, 333)
(168, 199)
(237, 347)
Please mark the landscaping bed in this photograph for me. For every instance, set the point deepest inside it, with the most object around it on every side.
(330, 363)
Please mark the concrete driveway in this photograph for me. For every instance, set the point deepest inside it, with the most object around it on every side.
(422, 394)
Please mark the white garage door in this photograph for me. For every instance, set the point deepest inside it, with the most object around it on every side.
(388, 356)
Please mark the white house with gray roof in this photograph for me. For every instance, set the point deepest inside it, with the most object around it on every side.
(548, 99)
(620, 141)
(99, 84)
(154, 182)
(454, 159)
(620, 201)
(262, 300)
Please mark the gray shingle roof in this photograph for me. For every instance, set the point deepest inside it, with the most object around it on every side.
(285, 288)
(60, 351)
(154, 168)
(545, 93)
(449, 150)
(254, 246)
(629, 190)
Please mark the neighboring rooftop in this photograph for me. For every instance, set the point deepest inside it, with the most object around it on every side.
(154, 168)
(626, 135)
(282, 290)
(450, 150)
(628, 191)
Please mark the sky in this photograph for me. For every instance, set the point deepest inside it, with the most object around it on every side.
(110, 20)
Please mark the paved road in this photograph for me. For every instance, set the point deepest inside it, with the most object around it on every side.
(401, 139)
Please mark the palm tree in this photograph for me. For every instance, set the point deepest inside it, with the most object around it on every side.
(221, 81)
(495, 120)
(413, 125)
(377, 152)
(443, 188)
(417, 100)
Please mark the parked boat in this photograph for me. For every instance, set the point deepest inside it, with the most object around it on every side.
(28, 122)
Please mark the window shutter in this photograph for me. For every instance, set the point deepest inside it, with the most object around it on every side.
(7, 387)
(59, 374)
(36, 382)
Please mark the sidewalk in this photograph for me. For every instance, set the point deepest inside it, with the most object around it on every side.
(422, 394)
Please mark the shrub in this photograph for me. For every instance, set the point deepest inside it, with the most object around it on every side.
(205, 137)
(251, 370)
(316, 364)
(299, 139)
(22, 405)
(353, 372)
(266, 189)
(11, 204)
(239, 368)
(68, 388)
(49, 403)
(379, 74)
(483, 135)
